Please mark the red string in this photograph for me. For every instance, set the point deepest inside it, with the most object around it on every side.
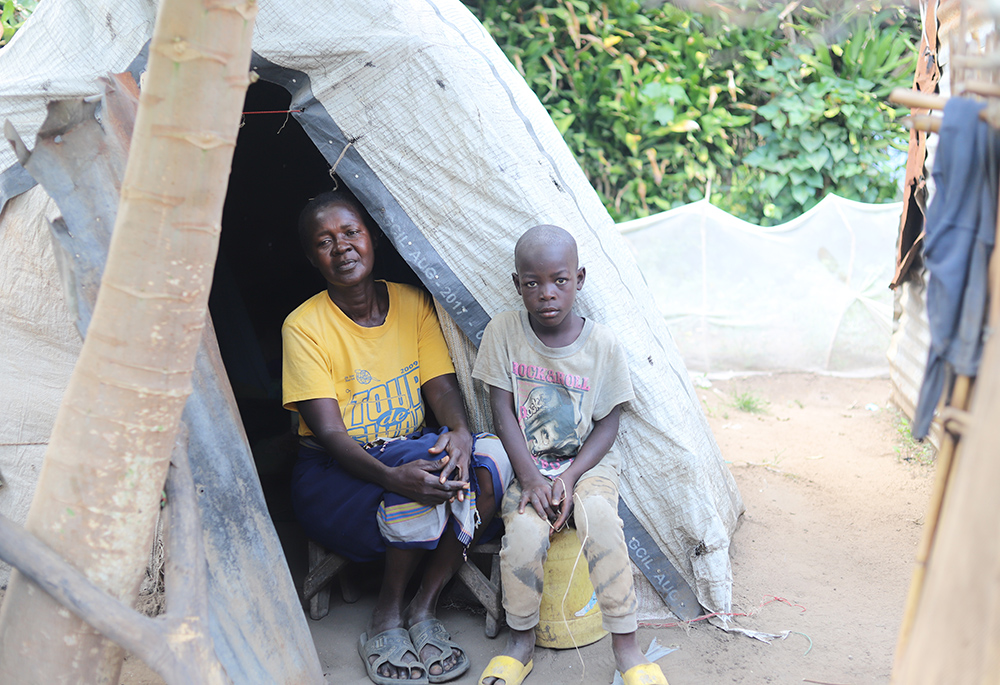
(646, 624)
(276, 111)
(782, 600)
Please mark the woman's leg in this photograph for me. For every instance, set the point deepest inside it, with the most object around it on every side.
(493, 473)
(449, 555)
(442, 564)
(388, 613)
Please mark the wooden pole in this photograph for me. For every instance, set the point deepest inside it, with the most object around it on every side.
(106, 464)
(916, 100)
(944, 467)
(946, 462)
(177, 644)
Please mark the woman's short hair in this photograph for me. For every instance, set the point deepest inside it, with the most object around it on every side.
(341, 196)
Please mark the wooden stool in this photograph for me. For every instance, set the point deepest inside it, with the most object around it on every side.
(488, 591)
(324, 566)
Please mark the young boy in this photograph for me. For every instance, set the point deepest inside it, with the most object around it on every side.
(557, 382)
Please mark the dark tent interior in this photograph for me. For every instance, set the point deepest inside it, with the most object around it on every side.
(262, 274)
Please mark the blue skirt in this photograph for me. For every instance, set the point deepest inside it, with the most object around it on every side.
(340, 511)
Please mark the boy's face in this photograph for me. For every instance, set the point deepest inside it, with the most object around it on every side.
(340, 246)
(547, 281)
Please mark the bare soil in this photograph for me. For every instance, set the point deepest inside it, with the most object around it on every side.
(835, 496)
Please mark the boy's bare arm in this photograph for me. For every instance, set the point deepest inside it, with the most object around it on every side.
(535, 489)
(597, 444)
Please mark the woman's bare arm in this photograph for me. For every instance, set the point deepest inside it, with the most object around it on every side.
(445, 399)
(417, 480)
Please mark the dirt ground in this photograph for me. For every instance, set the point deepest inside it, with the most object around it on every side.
(835, 497)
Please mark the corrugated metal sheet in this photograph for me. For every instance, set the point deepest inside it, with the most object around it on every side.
(911, 337)
(908, 348)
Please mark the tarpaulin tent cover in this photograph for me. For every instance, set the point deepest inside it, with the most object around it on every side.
(455, 157)
(809, 295)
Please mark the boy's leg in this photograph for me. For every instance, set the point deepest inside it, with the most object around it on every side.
(523, 551)
(600, 532)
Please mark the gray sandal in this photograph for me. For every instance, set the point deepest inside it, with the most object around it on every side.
(433, 632)
(390, 647)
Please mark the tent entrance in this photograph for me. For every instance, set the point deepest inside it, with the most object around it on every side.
(261, 274)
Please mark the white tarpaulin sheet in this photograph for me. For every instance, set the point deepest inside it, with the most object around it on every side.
(38, 347)
(809, 295)
(447, 130)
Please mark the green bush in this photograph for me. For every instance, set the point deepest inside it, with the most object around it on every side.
(13, 15)
(764, 113)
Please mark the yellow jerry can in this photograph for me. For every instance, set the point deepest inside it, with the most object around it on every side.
(567, 619)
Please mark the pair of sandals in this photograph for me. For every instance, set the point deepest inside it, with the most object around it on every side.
(513, 672)
(391, 646)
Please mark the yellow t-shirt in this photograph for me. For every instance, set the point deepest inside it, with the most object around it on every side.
(375, 374)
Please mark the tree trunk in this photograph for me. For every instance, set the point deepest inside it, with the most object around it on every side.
(99, 489)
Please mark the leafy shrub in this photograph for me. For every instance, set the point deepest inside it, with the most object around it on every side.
(828, 126)
(763, 112)
(13, 15)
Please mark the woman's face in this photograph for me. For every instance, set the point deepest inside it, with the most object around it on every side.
(341, 246)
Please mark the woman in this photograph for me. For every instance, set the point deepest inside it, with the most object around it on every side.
(359, 360)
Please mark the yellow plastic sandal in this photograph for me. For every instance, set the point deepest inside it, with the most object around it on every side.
(644, 674)
(509, 669)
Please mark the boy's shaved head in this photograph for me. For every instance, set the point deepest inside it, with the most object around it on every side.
(545, 237)
(548, 276)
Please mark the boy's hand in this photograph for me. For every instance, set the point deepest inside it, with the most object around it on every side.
(457, 448)
(538, 493)
(562, 499)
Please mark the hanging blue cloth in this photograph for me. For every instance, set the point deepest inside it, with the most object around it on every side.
(960, 232)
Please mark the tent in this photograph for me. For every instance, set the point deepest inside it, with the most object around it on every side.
(438, 135)
(807, 295)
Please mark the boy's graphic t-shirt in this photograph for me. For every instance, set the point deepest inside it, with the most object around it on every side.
(375, 373)
(558, 391)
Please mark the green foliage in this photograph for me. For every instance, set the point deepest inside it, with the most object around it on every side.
(828, 127)
(769, 112)
(13, 15)
(749, 403)
(907, 447)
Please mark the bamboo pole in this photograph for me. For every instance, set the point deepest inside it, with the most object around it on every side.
(945, 465)
(984, 88)
(922, 122)
(946, 462)
(950, 631)
(987, 61)
(917, 100)
(107, 459)
(926, 101)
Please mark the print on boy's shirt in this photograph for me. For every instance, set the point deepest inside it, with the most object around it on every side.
(548, 404)
(386, 410)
